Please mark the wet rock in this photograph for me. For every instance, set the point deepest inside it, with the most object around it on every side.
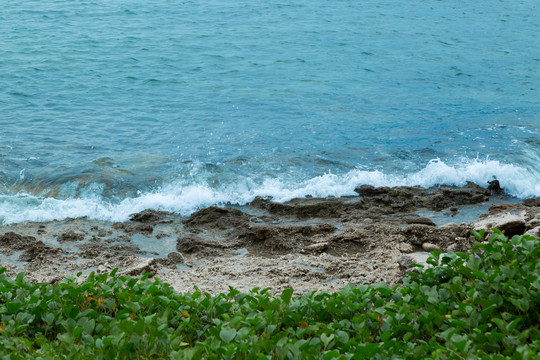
(37, 250)
(218, 218)
(176, 258)
(92, 250)
(134, 228)
(13, 241)
(148, 215)
(192, 244)
(495, 187)
(533, 202)
(419, 220)
(429, 247)
(304, 208)
(70, 236)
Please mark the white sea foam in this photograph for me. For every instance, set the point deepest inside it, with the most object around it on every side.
(185, 198)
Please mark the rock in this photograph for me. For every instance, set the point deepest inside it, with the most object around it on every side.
(369, 190)
(148, 215)
(405, 247)
(70, 236)
(13, 241)
(533, 202)
(284, 237)
(419, 220)
(190, 243)
(429, 247)
(134, 228)
(136, 265)
(217, 218)
(495, 187)
(316, 247)
(511, 224)
(406, 261)
(417, 234)
(176, 258)
(533, 232)
(37, 250)
(453, 247)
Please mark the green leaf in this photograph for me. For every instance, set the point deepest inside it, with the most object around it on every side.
(77, 331)
(326, 338)
(48, 317)
(65, 337)
(286, 295)
(334, 354)
(227, 334)
(513, 324)
(87, 324)
(485, 313)
(367, 350)
(342, 336)
(479, 235)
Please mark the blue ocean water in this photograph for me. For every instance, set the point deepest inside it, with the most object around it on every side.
(111, 107)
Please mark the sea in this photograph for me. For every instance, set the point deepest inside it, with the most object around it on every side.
(111, 107)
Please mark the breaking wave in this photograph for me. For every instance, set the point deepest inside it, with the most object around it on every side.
(185, 198)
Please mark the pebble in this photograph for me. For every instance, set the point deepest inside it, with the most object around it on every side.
(430, 247)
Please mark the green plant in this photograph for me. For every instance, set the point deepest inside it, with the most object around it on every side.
(477, 305)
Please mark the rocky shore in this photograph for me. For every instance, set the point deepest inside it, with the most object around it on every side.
(309, 244)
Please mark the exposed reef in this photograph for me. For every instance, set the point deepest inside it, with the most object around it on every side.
(309, 243)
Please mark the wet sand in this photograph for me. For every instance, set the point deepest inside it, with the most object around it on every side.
(309, 244)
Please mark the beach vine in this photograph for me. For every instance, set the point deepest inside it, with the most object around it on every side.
(476, 305)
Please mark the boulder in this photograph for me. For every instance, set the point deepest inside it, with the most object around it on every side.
(511, 223)
(406, 261)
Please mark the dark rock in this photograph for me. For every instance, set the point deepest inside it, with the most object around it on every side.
(512, 228)
(192, 244)
(533, 202)
(218, 218)
(279, 237)
(495, 187)
(419, 220)
(134, 228)
(37, 250)
(70, 236)
(15, 241)
(369, 190)
(148, 215)
(417, 234)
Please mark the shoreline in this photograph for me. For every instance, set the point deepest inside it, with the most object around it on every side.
(319, 244)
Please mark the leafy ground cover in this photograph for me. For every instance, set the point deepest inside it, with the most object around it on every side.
(477, 305)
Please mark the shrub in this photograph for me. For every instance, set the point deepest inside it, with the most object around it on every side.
(477, 305)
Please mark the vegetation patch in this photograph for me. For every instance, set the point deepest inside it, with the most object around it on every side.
(476, 305)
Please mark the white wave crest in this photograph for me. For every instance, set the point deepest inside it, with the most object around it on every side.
(187, 198)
